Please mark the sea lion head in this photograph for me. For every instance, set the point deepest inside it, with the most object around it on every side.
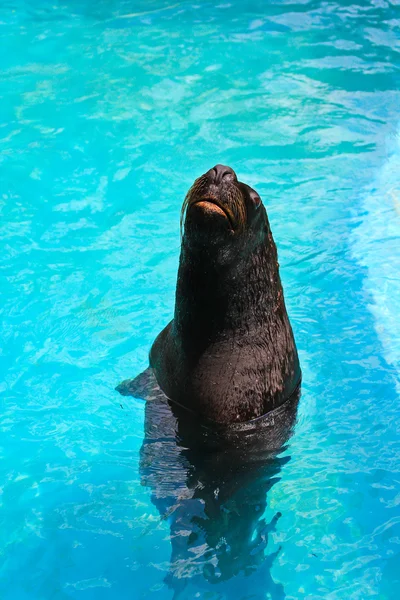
(222, 213)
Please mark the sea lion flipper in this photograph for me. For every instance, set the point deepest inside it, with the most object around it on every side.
(143, 386)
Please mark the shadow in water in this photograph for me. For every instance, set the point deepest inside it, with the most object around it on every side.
(212, 485)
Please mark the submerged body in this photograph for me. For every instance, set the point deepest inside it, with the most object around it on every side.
(212, 484)
(229, 354)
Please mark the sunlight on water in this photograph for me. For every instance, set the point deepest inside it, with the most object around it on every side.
(108, 112)
(376, 244)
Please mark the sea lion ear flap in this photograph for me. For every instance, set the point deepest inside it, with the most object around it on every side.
(251, 194)
(255, 198)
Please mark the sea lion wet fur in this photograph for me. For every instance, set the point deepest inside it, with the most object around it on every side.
(229, 354)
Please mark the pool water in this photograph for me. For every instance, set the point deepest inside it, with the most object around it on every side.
(108, 111)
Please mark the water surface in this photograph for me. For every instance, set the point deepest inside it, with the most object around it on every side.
(108, 111)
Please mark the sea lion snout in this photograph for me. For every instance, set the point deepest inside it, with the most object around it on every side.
(214, 203)
(220, 172)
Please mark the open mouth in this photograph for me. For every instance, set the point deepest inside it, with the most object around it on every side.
(211, 205)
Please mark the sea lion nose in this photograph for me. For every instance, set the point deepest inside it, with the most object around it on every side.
(219, 172)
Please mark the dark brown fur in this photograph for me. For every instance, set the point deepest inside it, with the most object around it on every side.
(229, 354)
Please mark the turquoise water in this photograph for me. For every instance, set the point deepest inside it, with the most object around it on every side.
(108, 112)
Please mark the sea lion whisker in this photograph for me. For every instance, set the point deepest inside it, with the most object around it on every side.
(237, 221)
(220, 205)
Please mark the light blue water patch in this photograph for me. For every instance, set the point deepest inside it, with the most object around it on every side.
(108, 112)
(377, 247)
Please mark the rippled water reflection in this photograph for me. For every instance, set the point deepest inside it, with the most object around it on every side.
(108, 112)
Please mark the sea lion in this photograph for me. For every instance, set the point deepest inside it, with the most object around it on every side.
(228, 355)
(222, 390)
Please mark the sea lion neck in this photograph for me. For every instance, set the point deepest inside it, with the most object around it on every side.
(215, 298)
